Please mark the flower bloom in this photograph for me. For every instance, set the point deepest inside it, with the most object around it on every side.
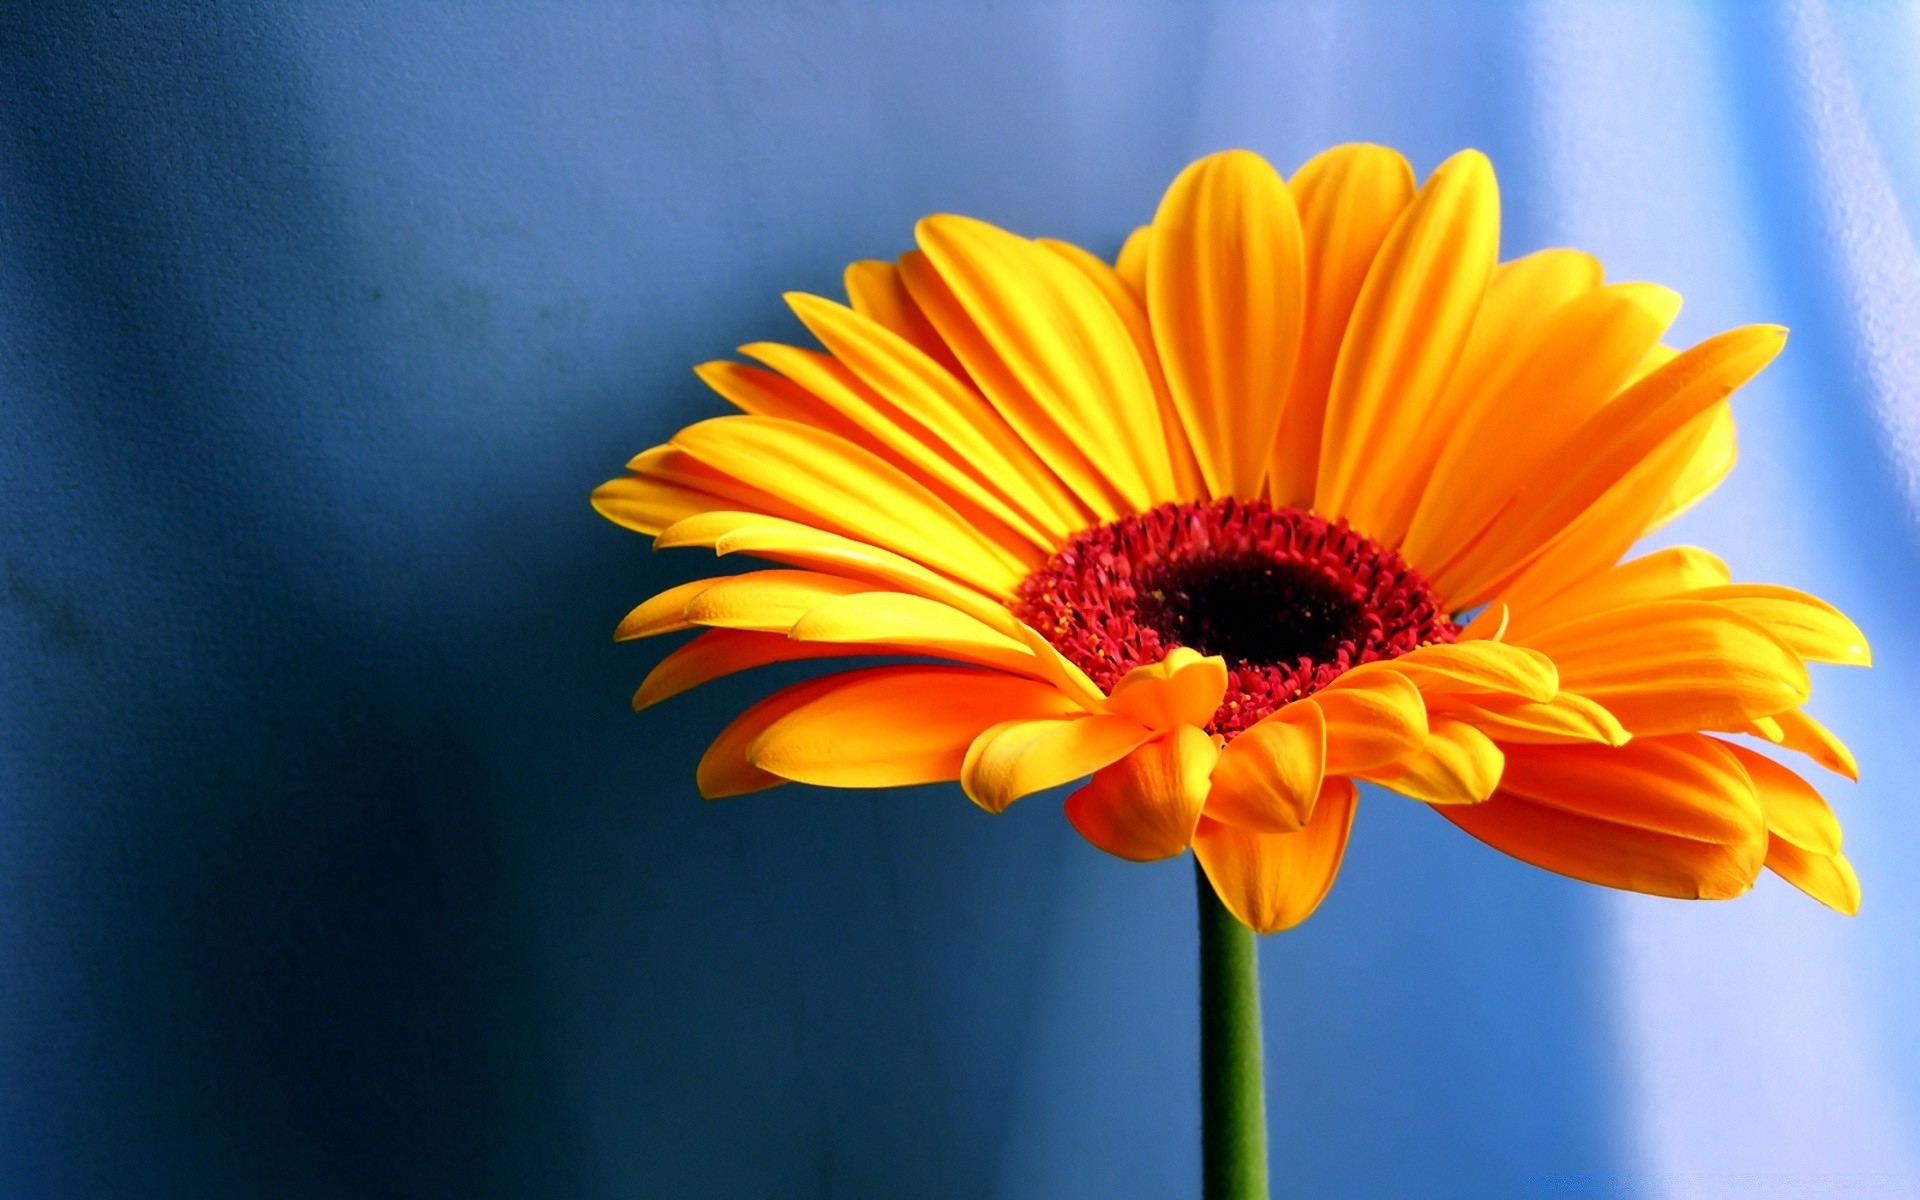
(1305, 489)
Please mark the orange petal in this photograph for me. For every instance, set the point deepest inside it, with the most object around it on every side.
(1269, 776)
(1145, 806)
(1598, 537)
(721, 652)
(892, 726)
(1225, 285)
(1610, 854)
(1407, 331)
(1672, 666)
(1795, 812)
(1617, 438)
(1020, 757)
(1580, 356)
(1566, 719)
(1801, 732)
(725, 769)
(1661, 575)
(1374, 715)
(1184, 688)
(1827, 878)
(1458, 765)
(1131, 263)
(1685, 786)
(1274, 881)
(1349, 198)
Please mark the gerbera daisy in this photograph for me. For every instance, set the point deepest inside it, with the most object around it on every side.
(1305, 489)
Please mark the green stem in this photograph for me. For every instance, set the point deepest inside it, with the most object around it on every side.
(1233, 1104)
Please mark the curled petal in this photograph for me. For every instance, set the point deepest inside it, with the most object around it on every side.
(1274, 881)
(1374, 715)
(1458, 765)
(1018, 758)
(1484, 666)
(1269, 777)
(1145, 806)
(1564, 720)
(1184, 688)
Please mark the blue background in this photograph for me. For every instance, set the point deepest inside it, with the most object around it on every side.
(332, 863)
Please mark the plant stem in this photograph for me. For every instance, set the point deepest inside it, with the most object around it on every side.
(1233, 1104)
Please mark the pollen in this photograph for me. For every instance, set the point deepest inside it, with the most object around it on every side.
(1291, 600)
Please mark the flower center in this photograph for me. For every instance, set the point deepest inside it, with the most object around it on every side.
(1289, 599)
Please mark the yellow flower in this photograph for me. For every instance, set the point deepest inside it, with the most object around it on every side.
(1305, 489)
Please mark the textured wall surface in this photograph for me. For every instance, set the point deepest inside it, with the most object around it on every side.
(332, 863)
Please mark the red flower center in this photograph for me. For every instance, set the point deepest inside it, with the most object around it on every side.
(1289, 599)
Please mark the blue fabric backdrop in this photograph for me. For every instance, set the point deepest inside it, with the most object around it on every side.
(331, 861)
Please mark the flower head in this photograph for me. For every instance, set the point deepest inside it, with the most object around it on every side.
(1306, 489)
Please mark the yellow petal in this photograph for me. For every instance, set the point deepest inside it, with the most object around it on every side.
(1051, 350)
(1274, 881)
(803, 546)
(1131, 263)
(759, 392)
(1145, 806)
(876, 292)
(896, 436)
(912, 623)
(769, 601)
(1408, 327)
(720, 652)
(1673, 666)
(1020, 757)
(1131, 308)
(1811, 628)
(947, 415)
(1458, 765)
(1480, 666)
(1225, 285)
(1801, 732)
(1184, 688)
(1610, 854)
(1582, 354)
(1661, 575)
(893, 726)
(1349, 198)
(1711, 463)
(1827, 878)
(662, 613)
(1269, 776)
(725, 769)
(1794, 810)
(1607, 447)
(650, 505)
(851, 491)
(1686, 786)
(1373, 715)
(1566, 719)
